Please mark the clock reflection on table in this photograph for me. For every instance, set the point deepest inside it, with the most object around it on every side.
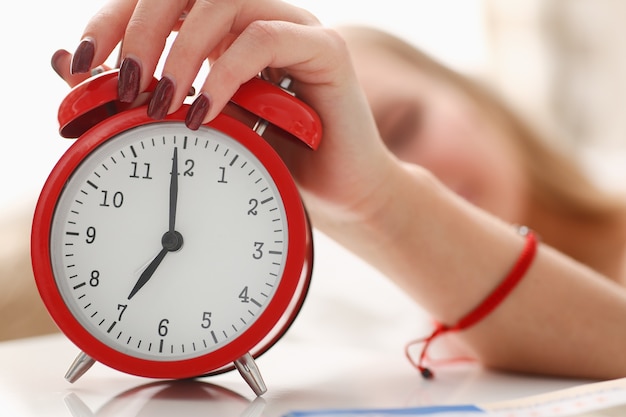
(187, 398)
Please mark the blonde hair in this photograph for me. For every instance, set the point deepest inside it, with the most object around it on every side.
(557, 183)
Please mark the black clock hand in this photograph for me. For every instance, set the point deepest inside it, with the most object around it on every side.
(148, 272)
(171, 240)
(173, 190)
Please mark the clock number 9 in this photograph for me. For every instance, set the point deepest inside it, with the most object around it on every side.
(91, 234)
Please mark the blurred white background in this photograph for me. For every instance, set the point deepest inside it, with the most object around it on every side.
(560, 61)
(32, 31)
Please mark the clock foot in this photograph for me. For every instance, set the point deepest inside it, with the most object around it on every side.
(81, 364)
(250, 373)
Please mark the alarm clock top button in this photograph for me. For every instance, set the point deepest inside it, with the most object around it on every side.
(92, 101)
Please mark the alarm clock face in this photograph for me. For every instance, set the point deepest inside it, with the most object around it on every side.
(167, 245)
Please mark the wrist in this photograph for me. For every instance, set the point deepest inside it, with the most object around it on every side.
(442, 251)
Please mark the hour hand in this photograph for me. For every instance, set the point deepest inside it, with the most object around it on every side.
(171, 241)
(148, 272)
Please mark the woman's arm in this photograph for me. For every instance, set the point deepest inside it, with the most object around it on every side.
(562, 318)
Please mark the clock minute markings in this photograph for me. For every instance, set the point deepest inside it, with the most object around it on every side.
(110, 329)
(77, 286)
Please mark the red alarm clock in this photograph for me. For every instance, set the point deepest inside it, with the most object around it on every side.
(166, 252)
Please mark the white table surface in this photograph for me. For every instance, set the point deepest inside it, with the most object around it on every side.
(345, 350)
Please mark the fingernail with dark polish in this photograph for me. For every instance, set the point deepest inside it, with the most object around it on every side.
(57, 59)
(161, 98)
(198, 111)
(128, 80)
(81, 61)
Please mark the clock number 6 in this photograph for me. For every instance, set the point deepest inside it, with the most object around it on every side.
(163, 327)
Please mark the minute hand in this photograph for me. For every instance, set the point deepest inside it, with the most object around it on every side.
(173, 191)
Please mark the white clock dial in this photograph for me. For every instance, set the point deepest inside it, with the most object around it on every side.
(113, 214)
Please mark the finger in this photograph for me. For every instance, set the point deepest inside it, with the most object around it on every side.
(147, 31)
(209, 29)
(102, 34)
(194, 42)
(307, 53)
(61, 61)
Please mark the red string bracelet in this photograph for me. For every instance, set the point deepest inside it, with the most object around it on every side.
(483, 309)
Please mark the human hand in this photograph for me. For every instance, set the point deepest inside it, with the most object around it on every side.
(345, 178)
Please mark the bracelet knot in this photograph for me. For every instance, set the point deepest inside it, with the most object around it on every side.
(489, 304)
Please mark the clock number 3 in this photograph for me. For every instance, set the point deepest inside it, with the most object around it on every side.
(258, 250)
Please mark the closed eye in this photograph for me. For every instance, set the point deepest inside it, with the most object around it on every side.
(401, 128)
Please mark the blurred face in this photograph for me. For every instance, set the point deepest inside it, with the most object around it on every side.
(424, 121)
